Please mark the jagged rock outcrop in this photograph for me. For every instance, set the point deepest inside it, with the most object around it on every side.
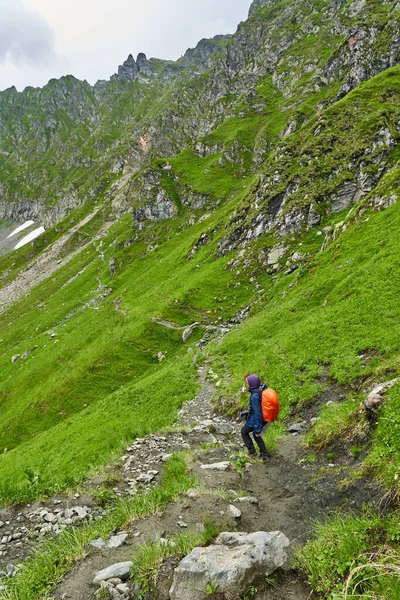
(130, 69)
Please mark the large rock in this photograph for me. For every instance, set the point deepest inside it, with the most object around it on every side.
(376, 395)
(236, 561)
(375, 399)
(119, 570)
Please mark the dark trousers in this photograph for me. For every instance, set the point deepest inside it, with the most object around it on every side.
(246, 430)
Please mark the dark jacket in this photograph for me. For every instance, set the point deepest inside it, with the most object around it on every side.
(254, 420)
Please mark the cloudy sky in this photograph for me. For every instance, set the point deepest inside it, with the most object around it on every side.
(41, 39)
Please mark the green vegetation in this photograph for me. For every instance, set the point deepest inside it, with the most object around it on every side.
(354, 557)
(337, 421)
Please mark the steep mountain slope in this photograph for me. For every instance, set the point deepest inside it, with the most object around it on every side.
(239, 207)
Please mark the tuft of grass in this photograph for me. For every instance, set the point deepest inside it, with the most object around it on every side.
(337, 421)
(340, 558)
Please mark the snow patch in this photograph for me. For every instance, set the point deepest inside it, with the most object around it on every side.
(21, 228)
(31, 236)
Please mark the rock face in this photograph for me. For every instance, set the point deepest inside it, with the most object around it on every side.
(236, 561)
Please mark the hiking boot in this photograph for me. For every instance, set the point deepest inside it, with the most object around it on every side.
(264, 458)
(252, 455)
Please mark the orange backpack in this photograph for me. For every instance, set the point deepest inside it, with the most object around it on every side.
(269, 405)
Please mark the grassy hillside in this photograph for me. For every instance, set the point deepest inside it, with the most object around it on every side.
(266, 154)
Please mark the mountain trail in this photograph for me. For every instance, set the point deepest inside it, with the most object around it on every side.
(291, 491)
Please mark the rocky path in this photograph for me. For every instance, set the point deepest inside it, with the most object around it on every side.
(286, 494)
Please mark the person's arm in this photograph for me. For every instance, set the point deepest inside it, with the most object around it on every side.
(256, 408)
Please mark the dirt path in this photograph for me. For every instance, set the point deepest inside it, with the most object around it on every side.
(291, 491)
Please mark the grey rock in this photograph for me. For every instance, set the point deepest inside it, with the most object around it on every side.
(15, 358)
(375, 397)
(236, 561)
(117, 540)
(275, 255)
(11, 570)
(187, 334)
(123, 588)
(343, 196)
(221, 466)
(192, 494)
(68, 513)
(249, 499)
(81, 512)
(98, 543)
(234, 512)
(128, 71)
(296, 427)
(223, 428)
(50, 518)
(120, 570)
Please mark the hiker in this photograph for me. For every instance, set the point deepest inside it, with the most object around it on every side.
(254, 421)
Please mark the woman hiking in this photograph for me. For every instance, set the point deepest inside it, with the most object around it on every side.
(254, 422)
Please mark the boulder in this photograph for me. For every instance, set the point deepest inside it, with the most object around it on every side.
(276, 255)
(236, 561)
(376, 395)
(375, 399)
(187, 334)
(120, 570)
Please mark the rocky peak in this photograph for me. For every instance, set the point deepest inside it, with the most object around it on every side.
(202, 53)
(256, 4)
(128, 71)
(144, 65)
(131, 68)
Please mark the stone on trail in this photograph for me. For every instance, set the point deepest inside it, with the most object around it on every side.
(98, 543)
(235, 562)
(120, 570)
(117, 540)
(223, 428)
(296, 427)
(249, 499)
(192, 494)
(234, 512)
(221, 466)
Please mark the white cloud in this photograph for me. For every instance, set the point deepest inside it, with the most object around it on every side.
(25, 36)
